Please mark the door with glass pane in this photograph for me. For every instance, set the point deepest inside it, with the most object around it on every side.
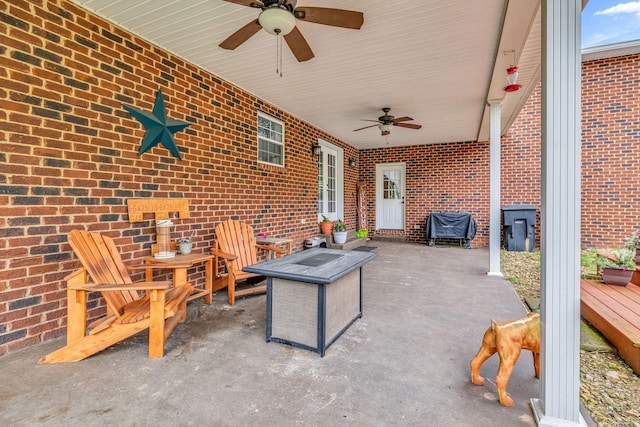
(390, 196)
(328, 184)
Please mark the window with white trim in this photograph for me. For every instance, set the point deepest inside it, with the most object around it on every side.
(330, 181)
(270, 140)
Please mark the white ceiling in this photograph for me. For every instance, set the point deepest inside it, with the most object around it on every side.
(436, 61)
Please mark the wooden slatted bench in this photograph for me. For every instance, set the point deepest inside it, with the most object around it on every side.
(615, 312)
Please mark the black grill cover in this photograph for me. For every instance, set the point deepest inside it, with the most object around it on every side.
(450, 225)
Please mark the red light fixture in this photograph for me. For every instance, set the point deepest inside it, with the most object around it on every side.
(512, 77)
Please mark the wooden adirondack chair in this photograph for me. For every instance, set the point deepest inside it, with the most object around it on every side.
(236, 245)
(159, 310)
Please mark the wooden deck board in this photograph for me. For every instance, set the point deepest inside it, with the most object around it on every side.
(615, 312)
(624, 310)
(607, 308)
(632, 292)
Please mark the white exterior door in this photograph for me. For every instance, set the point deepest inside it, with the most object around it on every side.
(390, 196)
(330, 182)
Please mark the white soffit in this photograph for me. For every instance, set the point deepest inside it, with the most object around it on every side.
(432, 60)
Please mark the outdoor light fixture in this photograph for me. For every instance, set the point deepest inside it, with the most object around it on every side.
(316, 149)
(278, 21)
(385, 127)
(512, 78)
(352, 163)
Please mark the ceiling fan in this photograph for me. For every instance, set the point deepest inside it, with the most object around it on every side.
(279, 17)
(387, 122)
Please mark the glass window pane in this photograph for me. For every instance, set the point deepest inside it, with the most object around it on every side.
(332, 205)
(263, 132)
(320, 187)
(270, 140)
(276, 136)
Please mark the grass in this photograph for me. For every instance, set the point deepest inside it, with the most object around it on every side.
(522, 269)
(588, 268)
(515, 280)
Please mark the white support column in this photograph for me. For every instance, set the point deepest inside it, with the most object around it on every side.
(559, 403)
(494, 190)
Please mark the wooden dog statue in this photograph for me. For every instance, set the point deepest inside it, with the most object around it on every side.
(508, 339)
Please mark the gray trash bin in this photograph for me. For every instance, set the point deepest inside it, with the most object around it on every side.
(519, 228)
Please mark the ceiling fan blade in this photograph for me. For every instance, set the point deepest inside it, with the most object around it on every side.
(298, 45)
(366, 127)
(328, 16)
(248, 3)
(402, 119)
(408, 125)
(386, 132)
(241, 36)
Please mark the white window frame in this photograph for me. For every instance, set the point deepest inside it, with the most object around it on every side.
(339, 214)
(270, 140)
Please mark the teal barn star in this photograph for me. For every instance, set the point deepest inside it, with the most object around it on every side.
(159, 127)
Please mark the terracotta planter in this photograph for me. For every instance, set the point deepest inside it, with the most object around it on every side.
(615, 276)
(326, 227)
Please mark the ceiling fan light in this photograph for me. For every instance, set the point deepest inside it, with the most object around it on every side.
(275, 20)
(385, 127)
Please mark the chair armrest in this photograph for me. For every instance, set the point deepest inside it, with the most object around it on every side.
(105, 287)
(225, 255)
(76, 275)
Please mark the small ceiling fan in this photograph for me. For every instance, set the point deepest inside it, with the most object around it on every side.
(279, 17)
(387, 122)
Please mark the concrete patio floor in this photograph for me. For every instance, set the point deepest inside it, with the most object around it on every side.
(405, 362)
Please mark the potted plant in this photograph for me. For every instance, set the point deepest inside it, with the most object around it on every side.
(185, 245)
(633, 242)
(339, 232)
(363, 232)
(326, 225)
(617, 268)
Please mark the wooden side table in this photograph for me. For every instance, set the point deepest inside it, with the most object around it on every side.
(180, 274)
(275, 241)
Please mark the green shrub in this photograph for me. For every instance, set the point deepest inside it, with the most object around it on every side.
(622, 258)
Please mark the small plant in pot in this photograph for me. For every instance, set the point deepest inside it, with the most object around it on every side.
(363, 232)
(326, 225)
(633, 243)
(617, 268)
(185, 245)
(339, 232)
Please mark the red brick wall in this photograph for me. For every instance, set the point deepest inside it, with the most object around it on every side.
(520, 174)
(440, 177)
(610, 150)
(69, 155)
(455, 177)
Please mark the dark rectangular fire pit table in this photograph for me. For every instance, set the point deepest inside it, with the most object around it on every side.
(313, 296)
